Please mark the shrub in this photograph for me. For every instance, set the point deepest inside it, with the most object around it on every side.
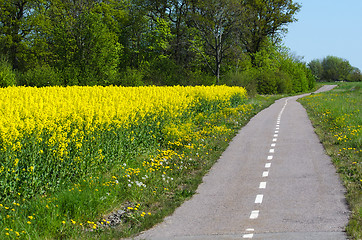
(284, 82)
(7, 75)
(267, 82)
(310, 77)
(70, 76)
(355, 76)
(164, 71)
(244, 79)
(41, 76)
(130, 77)
(198, 78)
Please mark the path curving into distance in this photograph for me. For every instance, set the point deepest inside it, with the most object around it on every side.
(274, 181)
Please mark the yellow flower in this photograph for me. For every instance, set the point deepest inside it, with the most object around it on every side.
(69, 116)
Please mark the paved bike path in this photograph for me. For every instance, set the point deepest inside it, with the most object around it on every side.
(274, 181)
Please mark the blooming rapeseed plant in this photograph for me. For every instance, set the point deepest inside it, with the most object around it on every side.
(57, 137)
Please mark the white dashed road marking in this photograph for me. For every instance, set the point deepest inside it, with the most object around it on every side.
(259, 198)
(254, 214)
(249, 235)
(262, 185)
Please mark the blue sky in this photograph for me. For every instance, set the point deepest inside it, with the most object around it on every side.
(327, 27)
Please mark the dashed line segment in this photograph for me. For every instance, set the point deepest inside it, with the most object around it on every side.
(254, 214)
(259, 198)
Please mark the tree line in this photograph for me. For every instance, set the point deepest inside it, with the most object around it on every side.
(143, 42)
(333, 68)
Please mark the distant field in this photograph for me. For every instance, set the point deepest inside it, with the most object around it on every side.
(337, 117)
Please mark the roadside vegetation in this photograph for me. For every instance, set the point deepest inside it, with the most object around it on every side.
(144, 42)
(337, 118)
(107, 162)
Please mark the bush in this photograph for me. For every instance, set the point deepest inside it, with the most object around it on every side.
(130, 77)
(284, 82)
(355, 76)
(267, 82)
(244, 79)
(70, 76)
(7, 75)
(198, 78)
(290, 77)
(164, 71)
(41, 76)
(310, 77)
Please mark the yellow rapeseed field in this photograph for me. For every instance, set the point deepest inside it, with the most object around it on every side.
(27, 110)
(85, 143)
(48, 127)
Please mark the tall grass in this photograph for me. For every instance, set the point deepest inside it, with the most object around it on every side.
(337, 117)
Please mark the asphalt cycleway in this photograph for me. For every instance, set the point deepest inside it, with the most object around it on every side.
(274, 181)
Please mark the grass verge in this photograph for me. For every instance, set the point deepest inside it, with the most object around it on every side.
(336, 116)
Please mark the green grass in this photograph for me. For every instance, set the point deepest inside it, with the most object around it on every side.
(337, 118)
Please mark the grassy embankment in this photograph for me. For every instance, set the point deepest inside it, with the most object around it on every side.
(337, 118)
(71, 156)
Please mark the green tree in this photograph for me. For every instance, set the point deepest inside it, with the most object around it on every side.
(215, 22)
(7, 75)
(335, 69)
(86, 50)
(279, 71)
(169, 42)
(316, 68)
(177, 12)
(355, 75)
(263, 20)
(18, 19)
